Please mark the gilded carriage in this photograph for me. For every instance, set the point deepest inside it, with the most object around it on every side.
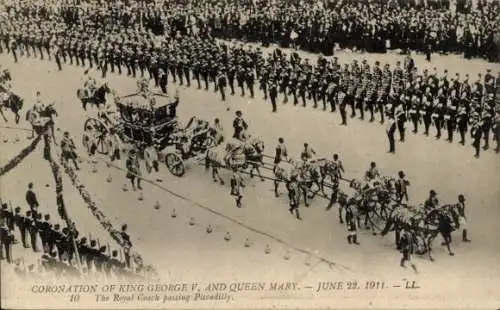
(144, 119)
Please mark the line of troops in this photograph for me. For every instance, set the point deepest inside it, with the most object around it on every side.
(365, 25)
(449, 103)
(56, 243)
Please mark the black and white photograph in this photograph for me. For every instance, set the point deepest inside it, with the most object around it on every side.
(250, 154)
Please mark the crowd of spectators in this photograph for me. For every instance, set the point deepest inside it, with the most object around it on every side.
(110, 37)
(56, 244)
(316, 26)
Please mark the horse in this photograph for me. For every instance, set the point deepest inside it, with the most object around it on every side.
(254, 155)
(14, 103)
(283, 172)
(98, 98)
(5, 76)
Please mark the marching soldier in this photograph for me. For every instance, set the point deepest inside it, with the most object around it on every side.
(273, 94)
(342, 100)
(426, 111)
(250, 80)
(231, 73)
(221, 83)
(163, 80)
(400, 118)
(415, 112)
(462, 122)
(390, 130)
(486, 127)
(476, 133)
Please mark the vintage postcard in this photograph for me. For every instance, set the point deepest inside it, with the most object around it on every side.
(249, 154)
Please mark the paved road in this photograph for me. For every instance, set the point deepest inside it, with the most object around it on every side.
(184, 252)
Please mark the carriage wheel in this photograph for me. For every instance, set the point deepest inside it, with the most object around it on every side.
(96, 128)
(175, 164)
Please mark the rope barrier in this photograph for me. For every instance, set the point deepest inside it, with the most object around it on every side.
(241, 224)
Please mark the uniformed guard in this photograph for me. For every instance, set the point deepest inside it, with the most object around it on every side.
(400, 118)
(221, 83)
(69, 150)
(462, 122)
(236, 185)
(239, 126)
(487, 120)
(351, 223)
(476, 133)
(273, 93)
(402, 186)
(250, 80)
(390, 130)
(462, 217)
(342, 101)
(133, 170)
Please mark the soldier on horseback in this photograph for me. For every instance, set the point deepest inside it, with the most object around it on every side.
(89, 86)
(308, 153)
(372, 173)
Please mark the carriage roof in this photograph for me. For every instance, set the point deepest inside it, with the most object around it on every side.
(149, 109)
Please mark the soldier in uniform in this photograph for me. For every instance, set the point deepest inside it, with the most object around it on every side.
(427, 109)
(236, 185)
(69, 150)
(351, 223)
(402, 186)
(293, 86)
(476, 133)
(406, 245)
(133, 170)
(307, 153)
(163, 80)
(240, 126)
(462, 122)
(390, 130)
(400, 118)
(20, 223)
(462, 217)
(273, 93)
(432, 202)
(221, 83)
(342, 100)
(231, 73)
(250, 80)
(487, 120)
(281, 152)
